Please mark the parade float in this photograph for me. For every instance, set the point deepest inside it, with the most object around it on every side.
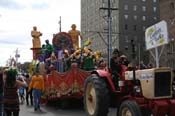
(63, 65)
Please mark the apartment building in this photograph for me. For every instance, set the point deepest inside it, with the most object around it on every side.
(128, 25)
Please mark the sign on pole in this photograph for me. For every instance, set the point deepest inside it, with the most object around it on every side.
(156, 35)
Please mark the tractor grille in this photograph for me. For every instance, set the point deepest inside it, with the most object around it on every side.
(162, 84)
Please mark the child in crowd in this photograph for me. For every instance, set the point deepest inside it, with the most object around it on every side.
(21, 89)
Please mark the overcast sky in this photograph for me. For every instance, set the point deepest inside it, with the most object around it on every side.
(17, 18)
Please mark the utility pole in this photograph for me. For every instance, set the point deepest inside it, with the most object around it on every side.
(109, 21)
(60, 23)
(17, 55)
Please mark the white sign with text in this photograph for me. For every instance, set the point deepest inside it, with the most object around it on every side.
(156, 35)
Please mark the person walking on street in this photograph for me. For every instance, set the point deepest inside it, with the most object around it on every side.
(37, 85)
(28, 93)
(21, 89)
(11, 98)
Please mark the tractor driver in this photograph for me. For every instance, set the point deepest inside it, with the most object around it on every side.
(115, 65)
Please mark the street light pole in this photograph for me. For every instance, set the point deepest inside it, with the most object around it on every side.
(17, 55)
(109, 21)
(109, 33)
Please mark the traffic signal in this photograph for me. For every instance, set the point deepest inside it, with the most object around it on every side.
(133, 48)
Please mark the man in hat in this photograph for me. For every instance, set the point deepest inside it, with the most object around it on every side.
(124, 60)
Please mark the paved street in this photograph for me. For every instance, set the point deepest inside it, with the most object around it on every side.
(51, 110)
(48, 110)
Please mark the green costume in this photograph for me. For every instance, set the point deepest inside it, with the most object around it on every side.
(88, 63)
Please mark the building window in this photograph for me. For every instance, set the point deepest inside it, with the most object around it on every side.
(172, 6)
(144, 28)
(144, 18)
(169, 48)
(154, 9)
(126, 47)
(154, 1)
(173, 44)
(126, 27)
(125, 7)
(172, 47)
(113, 1)
(135, 27)
(143, 8)
(135, 17)
(126, 16)
(134, 7)
(126, 39)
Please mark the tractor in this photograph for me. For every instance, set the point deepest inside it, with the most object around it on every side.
(136, 93)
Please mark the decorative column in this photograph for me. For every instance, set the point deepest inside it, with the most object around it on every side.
(35, 53)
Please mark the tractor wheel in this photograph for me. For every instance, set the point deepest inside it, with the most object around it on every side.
(129, 108)
(96, 96)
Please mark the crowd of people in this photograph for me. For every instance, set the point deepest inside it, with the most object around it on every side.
(15, 86)
(18, 88)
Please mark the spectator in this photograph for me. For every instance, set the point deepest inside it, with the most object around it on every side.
(28, 93)
(150, 66)
(21, 94)
(142, 65)
(11, 100)
(37, 85)
(124, 60)
(21, 89)
(1, 93)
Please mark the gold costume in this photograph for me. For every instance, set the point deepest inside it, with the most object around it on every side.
(36, 37)
(75, 36)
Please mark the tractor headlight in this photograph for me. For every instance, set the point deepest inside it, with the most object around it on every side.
(121, 83)
(137, 89)
(173, 86)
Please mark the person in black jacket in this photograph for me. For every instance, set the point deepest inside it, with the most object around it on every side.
(28, 93)
(114, 62)
(115, 66)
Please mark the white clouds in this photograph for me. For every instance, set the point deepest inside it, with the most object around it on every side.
(10, 4)
(16, 22)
